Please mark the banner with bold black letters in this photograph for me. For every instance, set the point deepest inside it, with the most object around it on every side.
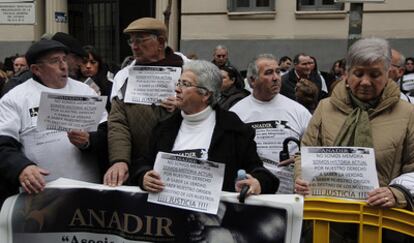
(90, 213)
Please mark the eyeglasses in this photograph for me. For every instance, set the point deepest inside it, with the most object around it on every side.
(395, 65)
(56, 61)
(186, 84)
(140, 40)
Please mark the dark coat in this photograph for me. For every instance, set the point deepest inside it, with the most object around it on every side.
(16, 80)
(289, 81)
(231, 96)
(232, 143)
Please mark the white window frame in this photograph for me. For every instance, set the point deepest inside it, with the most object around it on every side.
(232, 6)
(318, 6)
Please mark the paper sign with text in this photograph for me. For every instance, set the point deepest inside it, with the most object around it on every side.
(408, 82)
(343, 172)
(69, 112)
(269, 139)
(150, 84)
(190, 183)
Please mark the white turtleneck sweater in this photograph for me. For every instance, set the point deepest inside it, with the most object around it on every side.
(195, 133)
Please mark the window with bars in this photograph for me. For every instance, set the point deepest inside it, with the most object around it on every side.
(250, 5)
(318, 5)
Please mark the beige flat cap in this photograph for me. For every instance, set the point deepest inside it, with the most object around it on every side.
(150, 25)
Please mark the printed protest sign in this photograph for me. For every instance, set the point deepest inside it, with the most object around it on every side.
(151, 84)
(190, 183)
(344, 172)
(269, 139)
(66, 112)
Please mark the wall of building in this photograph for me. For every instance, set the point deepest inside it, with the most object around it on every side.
(17, 38)
(288, 32)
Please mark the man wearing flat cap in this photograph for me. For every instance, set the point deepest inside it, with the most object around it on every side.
(130, 125)
(29, 157)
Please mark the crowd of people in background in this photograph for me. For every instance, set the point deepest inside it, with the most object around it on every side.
(214, 113)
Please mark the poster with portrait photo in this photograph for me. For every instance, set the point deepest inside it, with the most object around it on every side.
(72, 211)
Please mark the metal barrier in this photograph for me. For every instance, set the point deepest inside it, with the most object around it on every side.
(371, 220)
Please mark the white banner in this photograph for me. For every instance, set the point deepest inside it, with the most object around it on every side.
(190, 183)
(66, 112)
(344, 172)
(69, 211)
(151, 84)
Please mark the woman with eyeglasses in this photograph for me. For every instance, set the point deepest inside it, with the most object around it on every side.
(207, 130)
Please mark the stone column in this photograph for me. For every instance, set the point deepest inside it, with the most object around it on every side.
(160, 7)
(56, 16)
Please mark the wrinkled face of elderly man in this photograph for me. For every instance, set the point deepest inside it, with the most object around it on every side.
(268, 83)
(146, 47)
(52, 69)
(220, 56)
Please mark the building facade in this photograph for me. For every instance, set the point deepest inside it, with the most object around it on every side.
(246, 27)
(288, 27)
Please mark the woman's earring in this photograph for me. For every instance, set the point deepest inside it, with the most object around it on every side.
(347, 85)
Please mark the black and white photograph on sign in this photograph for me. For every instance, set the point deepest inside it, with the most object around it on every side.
(151, 84)
(190, 183)
(70, 112)
(344, 172)
(64, 213)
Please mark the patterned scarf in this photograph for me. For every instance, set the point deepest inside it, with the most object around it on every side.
(356, 130)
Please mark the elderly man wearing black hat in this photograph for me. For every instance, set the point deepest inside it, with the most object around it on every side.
(130, 125)
(74, 58)
(29, 157)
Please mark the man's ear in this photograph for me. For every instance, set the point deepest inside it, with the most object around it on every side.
(251, 81)
(35, 69)
(162, 40)
(401, 71)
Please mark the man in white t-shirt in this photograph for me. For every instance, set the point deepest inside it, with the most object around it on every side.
(274, 117)
(29, 157)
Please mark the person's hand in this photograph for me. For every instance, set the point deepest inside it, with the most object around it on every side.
(117, 174)
(79, 138)
(286, 162)
(302, 187)
(32, 179)
(152, 182)
(169, 104)
(252, 182)
(382, 197)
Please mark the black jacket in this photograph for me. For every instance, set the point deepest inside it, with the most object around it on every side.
(231, 96)
(232, 144)
(289, 81)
